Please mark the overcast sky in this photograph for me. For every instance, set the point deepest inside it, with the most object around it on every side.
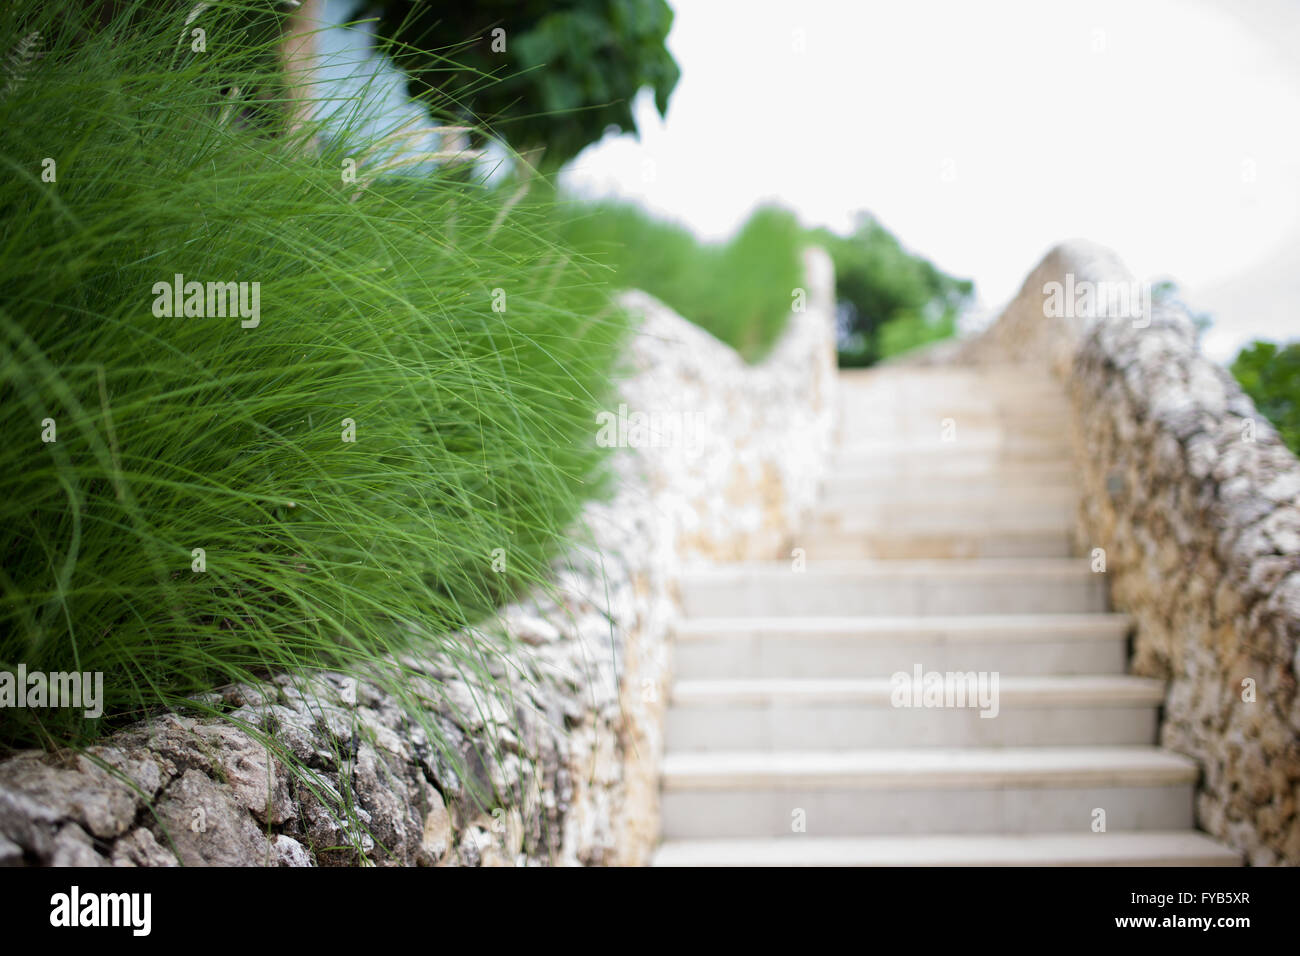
(983, 133)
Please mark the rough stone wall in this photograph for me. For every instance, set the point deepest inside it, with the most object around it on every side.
(568, 757)
(1197, 504)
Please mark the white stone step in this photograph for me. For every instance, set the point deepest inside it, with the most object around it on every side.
(910, 543)
(950, 468)
(778, 714)
(940, 515)
(1112, 848)
(882, 418)
(986, 384)
(904, 587)
(867, 477)
(950, 463)
(919, 491)
(951, 433)
(934, 452)
(1020, 644)
(889, 433)
(720, 794)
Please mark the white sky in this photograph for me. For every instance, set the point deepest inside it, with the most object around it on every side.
(983, 133)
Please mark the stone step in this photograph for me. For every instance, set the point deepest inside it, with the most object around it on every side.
(950, 474)
(918, 544)
(949, 462)
(941, 515)
(719, 794)
(1025, 644)
(975, 387)
(976, 429)
(778, 714)
(1041, 417)
(934, 450)
(976, 492)
(951, 469)
(842, 588)
(947, 425)
(1113, 848)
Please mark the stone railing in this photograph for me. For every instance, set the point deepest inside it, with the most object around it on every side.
(717, 460)
(1196, 503)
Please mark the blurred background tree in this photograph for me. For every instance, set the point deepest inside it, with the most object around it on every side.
(1270, 374)
(889, 299)
(550, 76)
(738, 290)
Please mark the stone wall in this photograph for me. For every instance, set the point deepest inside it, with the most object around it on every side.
(1197, 504)
(561, 768)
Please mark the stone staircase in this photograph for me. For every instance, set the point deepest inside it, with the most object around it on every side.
(942, 544)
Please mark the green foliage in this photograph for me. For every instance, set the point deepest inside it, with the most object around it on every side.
(569, 71)
(910, 331)
(740, 291)
(1270, 375)
(474, 427)
(889, 299)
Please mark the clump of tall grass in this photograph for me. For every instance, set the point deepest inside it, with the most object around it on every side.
(393, 449)
(741, 291)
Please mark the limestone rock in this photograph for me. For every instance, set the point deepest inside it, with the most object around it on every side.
(208, 825)
(286, 851)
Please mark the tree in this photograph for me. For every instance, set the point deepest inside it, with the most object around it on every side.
(888, 299)
(1270, 374)
(550, 76)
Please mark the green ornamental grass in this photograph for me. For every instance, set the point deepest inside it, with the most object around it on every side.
(396, 441)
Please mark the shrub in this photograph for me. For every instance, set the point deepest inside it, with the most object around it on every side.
(740, 291)
(889, 299)
(1270, 374)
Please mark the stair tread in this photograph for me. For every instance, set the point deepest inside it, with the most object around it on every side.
(927, 767)
(931, 525)
(1172, 847)
(952, 627)
(1121, 690)
(903, 568)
